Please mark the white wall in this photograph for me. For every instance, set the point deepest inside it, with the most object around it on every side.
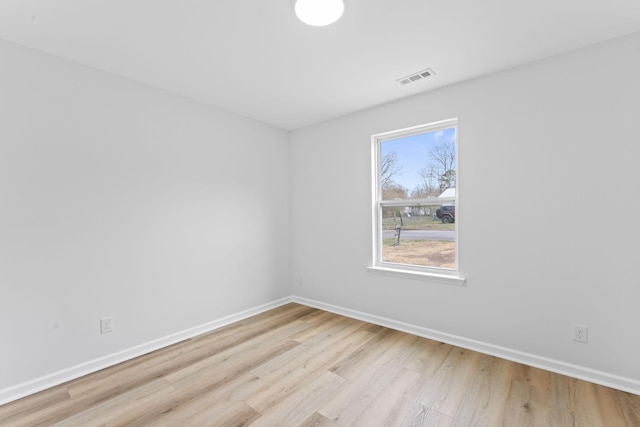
(563, 132)
(118, 199)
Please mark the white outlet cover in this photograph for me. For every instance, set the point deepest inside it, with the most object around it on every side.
(106, 325)
(581, 333)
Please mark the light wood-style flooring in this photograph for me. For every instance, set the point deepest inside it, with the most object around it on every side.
(299, 366)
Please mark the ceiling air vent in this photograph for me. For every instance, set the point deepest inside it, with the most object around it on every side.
(416, 76)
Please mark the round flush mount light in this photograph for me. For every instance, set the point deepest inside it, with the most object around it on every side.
(319, 12)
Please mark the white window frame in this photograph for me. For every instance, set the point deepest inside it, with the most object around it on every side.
(433, 274)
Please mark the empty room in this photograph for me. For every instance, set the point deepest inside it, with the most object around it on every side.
(319, 213)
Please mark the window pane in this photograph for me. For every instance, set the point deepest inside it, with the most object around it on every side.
(416, 197)
(418, 166)
(419, 235)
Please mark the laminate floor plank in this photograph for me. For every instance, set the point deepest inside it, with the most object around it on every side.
(138, 371)
(277, 316)
(185, 354)
(584, 404)
(205, 382)
(238, 414)
(521, 409)
(357, 393)
(182, 364)
(208, 408)
(254, 346)
(295, 410)
(318, 317)
(290, 379)
(369, 354)
(325, 347)
(446, 389)
(19, 410)
(188, 350)
(485, 400)
(537, 408)
(429, 356)
(318, 420)
(191, 350)
(422, 416)
(300, 366)
(123, 409)
(222, 379)
(321, 329)
(618, 406)
(566, 406)
(391, 406)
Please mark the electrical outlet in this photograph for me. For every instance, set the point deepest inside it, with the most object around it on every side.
(580, 333)
(106, 325)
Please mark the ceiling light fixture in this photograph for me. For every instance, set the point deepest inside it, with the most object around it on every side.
(319, 12)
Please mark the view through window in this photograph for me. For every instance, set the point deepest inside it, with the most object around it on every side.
(415, 197)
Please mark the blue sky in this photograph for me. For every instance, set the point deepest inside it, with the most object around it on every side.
(413, 154)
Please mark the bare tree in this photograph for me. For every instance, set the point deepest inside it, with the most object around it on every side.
(394, 191)
(440, 172)
(421, 192)
(389, 168)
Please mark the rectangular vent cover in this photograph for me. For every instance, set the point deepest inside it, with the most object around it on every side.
(416, 76)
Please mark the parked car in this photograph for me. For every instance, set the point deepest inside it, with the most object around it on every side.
(446, 213)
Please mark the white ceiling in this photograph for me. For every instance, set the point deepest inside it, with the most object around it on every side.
(254, 57)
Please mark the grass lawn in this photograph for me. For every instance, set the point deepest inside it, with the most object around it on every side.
(416, 223)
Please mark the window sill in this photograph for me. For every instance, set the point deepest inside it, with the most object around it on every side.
(447, 279)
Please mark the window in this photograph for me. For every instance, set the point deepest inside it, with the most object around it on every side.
(415, 178)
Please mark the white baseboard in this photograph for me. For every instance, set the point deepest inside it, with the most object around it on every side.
(24, 389)
(598, 377)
